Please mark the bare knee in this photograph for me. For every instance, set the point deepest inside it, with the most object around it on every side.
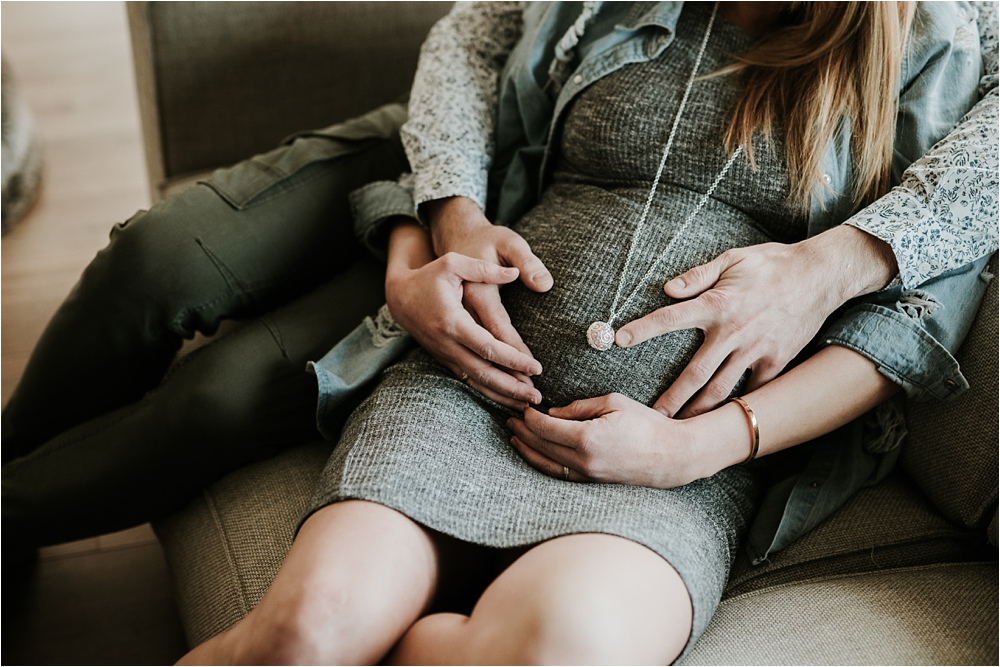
(588, 600)
(296, 632)
(597, 631)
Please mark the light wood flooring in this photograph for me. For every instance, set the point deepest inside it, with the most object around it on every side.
(105, 600)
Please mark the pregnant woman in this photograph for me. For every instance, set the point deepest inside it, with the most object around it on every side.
(660, 160)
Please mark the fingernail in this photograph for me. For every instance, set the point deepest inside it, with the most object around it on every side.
(663, 411)
(623, 337)
(677, 282)
(542, 279)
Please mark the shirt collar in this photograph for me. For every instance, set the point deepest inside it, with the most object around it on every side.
(660, 14)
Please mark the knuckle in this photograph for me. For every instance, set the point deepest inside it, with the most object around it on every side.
(717, 390)
(700, 372)
(663, 317)
(484, 267)
(487, 352)
(480, 376)
(731, 255)
(716, 301)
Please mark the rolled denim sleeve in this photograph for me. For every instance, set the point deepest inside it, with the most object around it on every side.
(374, 205)
(911, 335)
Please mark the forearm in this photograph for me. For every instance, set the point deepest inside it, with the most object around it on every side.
(828, 390)
(409, 248)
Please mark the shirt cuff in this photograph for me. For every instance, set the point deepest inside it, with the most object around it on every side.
(439, 178)
(372, 207)
(893, 341)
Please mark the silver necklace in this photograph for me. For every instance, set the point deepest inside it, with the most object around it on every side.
(601, 334)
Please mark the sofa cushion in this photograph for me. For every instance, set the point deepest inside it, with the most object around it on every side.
(951, 450)
(931, 615)
(888, 525)
(224, 548)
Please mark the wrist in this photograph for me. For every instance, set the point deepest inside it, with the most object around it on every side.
(409, 248)
(863, 263)
(450, 219)
(722, 438)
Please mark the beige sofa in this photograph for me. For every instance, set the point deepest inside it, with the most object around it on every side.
(906, 573)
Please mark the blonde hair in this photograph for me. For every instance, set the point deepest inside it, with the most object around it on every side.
(827, 61)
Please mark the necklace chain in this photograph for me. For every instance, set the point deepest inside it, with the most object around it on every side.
(601, 334)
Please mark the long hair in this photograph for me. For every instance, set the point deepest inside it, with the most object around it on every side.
(828, 61)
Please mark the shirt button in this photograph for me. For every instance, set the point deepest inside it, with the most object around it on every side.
(827, 179)
(578, 79)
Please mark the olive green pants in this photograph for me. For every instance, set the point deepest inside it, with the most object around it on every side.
(106, 429)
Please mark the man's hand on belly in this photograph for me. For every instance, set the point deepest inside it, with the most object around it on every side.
(758, 308)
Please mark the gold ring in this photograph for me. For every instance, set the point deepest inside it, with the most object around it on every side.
(465, 376)
(566, 473)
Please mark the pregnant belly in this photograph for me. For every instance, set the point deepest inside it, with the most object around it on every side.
(583, 234)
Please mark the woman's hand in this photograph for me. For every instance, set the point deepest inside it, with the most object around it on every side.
(425, 296)
(758, 308)
(615, 439)
(458, 225)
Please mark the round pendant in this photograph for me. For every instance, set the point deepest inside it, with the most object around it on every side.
(601, 336)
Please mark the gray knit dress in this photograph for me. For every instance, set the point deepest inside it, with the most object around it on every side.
(429, 446)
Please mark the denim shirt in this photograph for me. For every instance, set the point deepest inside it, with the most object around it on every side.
(909, 333)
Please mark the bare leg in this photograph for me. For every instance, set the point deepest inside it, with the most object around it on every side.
(579, 599)
(358, 575)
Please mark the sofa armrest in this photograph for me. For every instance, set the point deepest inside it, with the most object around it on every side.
(220, 81)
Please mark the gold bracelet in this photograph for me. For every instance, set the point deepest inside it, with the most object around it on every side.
(753, 427)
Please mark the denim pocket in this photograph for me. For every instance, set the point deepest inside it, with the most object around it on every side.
(257, 179)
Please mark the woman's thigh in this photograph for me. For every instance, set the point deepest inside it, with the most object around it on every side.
(578, 599)
(357, 576)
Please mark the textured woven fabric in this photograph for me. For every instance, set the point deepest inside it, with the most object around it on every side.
(430, 447)
(232, 79)
(933, 615)
(886, 526)
(952, 448)
(224, 549)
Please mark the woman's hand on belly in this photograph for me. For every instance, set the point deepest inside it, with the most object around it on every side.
(758, 308)
(459, 226)
(614, 439)
(425, 296)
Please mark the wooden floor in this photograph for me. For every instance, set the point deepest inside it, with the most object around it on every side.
(105, 600)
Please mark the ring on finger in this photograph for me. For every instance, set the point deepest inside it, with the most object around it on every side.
(465, 377)
(566, 473)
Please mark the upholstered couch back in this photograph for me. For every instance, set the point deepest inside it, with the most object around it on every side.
(220, 81)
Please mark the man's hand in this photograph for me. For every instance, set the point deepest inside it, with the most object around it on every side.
(458, 225)
(425, 296)
(758, 308)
